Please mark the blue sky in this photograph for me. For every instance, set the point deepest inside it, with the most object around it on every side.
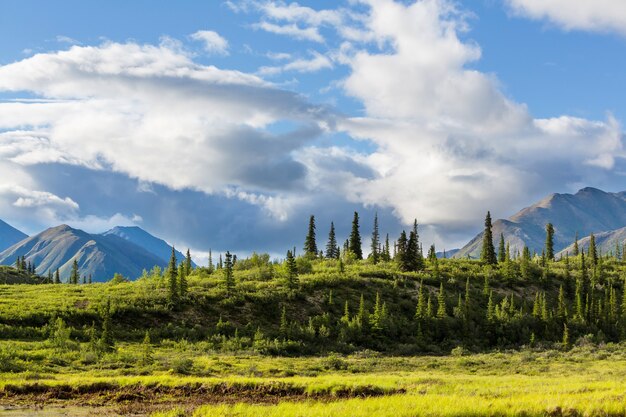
(223, 125)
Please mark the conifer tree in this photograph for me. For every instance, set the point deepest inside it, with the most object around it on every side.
(420, 311)
(501, 249)
(89, 280)
(561, 310)
(402, 252)
(525, 263)
(211, 267)
(565, 341)
(593, 253)
(490, 308)
(229, 279)
(441, 303)
(467, 301)
(57, 277)
(292, 271)
(417, 252)
(576, 250)
(488, 253)
(550, 242)
(310, 245)
(375, 245)
(50, 278)
(172, 282)
(386, 255)
(355, 238)
(74, 275)
(331, 246)
(188, 263)
(362, 315)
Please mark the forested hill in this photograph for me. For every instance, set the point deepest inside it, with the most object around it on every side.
(588, 211)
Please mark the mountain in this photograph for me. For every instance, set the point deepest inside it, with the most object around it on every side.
(606, 242)
(588, 211)
(97, 255)
(448, 253)
(9, 235)
(143, 239)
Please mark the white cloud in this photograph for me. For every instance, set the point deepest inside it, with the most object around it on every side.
(153, 114)
(213, 43)
(292, 30)
(316, 63)
(590, 15)
(449, 144)
(67, 39)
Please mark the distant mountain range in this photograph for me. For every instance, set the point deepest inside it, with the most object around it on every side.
(125, 250)
(606, 242)
(9, 235)
(588, 211)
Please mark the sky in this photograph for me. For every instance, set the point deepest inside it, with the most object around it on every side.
(224, 125)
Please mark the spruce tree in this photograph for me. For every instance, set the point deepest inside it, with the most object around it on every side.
(375, 245)
(211, 267)
(593, 252)
(57, 277)
(292, 271)
(182, 281)
(229, 279)
(355, 238)
(188, 263)
(147, 358)
(74, 275)
(106, 343)
(172, 283)
(331, 246)
(441, 303)
(576, 250)
(488, 252)
(310, 245)
(501, 249)
(386, 255)
(550, 242)
(402, 256)
(417, 254)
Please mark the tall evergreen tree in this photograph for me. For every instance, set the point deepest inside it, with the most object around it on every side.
(74, 275)
(310, 245)
(292, 271)
(386, 255)
(417, 252)
(229, 278)
(331, 246)
(57, 277)
(402, 253)
(211, 267)
(550, 242)
(172, 282)
(355, 238)
(576, 250)
(188, 263)
(441, 303)
(375, 245)
(593, 252)
(488, 252)
(501, 249)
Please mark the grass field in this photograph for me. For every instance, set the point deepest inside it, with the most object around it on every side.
(585, 381)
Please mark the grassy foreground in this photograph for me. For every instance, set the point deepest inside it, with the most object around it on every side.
(579, 383)
(585, 381)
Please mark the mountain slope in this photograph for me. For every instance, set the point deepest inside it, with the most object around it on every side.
(97, 255)
(605, 242)
(9, 235)
(143, 239)
(588, 211)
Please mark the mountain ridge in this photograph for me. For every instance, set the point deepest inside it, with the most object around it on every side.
(589, 210)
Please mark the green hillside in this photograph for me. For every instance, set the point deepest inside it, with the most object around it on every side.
(10, 275)
(366, 306)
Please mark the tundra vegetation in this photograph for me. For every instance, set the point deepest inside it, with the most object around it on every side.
(327, 333)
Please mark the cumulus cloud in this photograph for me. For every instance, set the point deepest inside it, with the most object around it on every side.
(155, 115)
(447, 138)
(213, 43)
(590, 15)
